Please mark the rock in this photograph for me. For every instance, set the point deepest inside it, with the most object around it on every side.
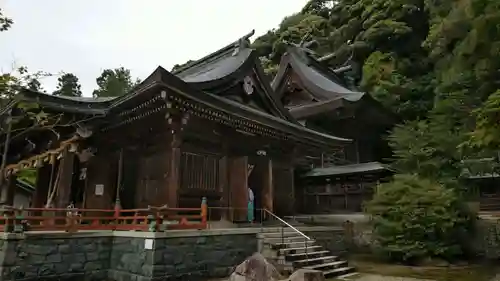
(307, 275)
(236, 277)
(255, 268)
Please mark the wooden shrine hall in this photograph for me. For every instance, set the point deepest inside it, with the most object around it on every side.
(321, 99)
(174, 139)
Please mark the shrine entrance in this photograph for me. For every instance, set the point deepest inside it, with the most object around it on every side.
(261, 183)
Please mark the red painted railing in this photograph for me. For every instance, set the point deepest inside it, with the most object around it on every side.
(72, 220)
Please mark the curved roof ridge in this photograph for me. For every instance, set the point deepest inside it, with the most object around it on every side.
(214, 55)
(320, 79)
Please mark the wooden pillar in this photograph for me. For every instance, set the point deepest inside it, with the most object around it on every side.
(65, 174)
(224, 188)
(267, 185)
(238, 184)
(172, 166)
(41, 187)
(173, 178)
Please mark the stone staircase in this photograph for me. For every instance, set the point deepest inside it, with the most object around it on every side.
(289, 251)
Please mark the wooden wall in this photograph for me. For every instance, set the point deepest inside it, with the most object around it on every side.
(101, 171)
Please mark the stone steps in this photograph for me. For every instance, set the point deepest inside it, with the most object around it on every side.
(293, 252)
(292, 244)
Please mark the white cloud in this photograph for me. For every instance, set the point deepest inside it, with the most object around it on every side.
(85, 37)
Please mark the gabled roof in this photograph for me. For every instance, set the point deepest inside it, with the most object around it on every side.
(327, 89)
(223, 69)
(162, 78)
(320, 81)
(83, 105)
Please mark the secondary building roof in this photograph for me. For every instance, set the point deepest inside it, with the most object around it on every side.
(361, 168)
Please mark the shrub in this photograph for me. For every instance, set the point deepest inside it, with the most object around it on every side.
(415, 218)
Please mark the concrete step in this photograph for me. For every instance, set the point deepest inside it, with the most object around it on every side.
(288, 251)
(276, 234)
(327, 266)
(313, 261)
(295, 244)
(301, 256)
(274, 240)
(340, 271)
(348, 276)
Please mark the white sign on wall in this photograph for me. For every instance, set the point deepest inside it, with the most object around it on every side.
(99, 189)
(148, 244)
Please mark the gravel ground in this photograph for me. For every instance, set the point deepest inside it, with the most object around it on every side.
(373, 277)
(496, 278)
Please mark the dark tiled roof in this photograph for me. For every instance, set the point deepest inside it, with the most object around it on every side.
(346, 170)
(225, 68)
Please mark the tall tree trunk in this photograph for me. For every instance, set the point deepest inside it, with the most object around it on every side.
(3, 186)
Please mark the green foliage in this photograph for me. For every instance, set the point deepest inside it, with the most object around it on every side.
(12, 82)
(487, 131)
(28, 175)
(5, 22)
(431, 62)
(68, 86)
(416, 218)
(428, 149)
(114, 82)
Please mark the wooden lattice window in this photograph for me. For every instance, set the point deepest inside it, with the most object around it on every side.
(199, 171)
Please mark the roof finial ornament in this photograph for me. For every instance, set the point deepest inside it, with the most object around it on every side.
(303, 44)
(242, 43)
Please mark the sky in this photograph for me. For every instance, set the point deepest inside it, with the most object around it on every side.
(86, 36)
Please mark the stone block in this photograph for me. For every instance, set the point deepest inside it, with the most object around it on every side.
(307, 275)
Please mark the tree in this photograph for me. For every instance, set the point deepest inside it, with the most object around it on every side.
(5, 22)
(416, 218)
(114, 82)
(10, 85)
(34, 85)
(487, 131)
(179, 66)
(68, 85)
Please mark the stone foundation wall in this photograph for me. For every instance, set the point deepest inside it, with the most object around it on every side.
(123, 256)
(208, 255)
(53, 257)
